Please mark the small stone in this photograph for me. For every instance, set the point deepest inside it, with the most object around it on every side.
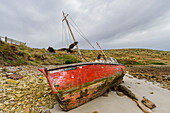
(10, 81)
(14, 76)
(39, 93)
(44, 103)
(2, 106)
(128, 86)
(6, 85)
(119, 93)
(19, 95)
(46, 111)
(18, 110)
(168, 77)
(41, 78)
(95, 112)
(105, 94)
(151, 92)
(130, 77)
(32, 110)
(12, 110)
(27, 109)
(51, 106)
(6, 103)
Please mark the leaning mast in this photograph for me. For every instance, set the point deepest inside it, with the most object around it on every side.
(65, 18)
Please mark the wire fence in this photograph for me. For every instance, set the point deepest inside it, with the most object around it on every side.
(12, 41)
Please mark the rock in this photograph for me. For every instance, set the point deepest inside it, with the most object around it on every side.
(148, 103)
(137, 83)
(32, 110)
(119, 93)
(95, 112)
(130, 77)
(6, 85)
(51, 106)
(46, 111)
(168, 77)
(6, 102)
(11, 81)
(44, 103)
(159, 80)
(27, 109)
(50, 49)
(105, 94)
(18, 109)
(143, 108)
(113, 88)
(13, 48)
(2, 106)
(12, 110)
(153, 76)
(164, 76)
(151, 92)
(14, 76)
(128, 86)
(19, 95)
(41, 78)
(38, 94)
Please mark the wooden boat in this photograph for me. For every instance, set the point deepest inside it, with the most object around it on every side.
(78, 83)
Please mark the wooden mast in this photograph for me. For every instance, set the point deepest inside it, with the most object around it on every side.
(65, 18)
(102, 51)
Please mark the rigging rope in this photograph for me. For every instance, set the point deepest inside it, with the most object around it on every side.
(80, 32)
(62, 35)
(65, 32)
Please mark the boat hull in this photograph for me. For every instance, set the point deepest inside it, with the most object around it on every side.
(74, 85)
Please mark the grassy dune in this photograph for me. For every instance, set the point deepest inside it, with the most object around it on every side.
(135, 56)
(22, 55)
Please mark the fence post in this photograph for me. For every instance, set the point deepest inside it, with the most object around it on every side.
(61, 59)
(5, 38)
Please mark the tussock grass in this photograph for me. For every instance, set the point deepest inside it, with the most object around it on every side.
(33, 56)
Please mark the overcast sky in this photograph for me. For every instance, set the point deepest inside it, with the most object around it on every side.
(112, 23)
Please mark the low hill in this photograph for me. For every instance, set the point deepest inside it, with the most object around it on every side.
(11, 54)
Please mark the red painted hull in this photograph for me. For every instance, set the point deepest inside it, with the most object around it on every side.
(74, 85)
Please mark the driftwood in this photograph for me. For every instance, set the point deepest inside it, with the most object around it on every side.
(143, 107)
(148, 103)
(127, 92)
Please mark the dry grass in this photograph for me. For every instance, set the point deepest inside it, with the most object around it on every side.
(33, 56)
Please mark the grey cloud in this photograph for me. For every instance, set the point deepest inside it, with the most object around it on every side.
(113, 23)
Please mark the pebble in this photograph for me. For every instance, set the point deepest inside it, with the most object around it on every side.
(128, 86)
(95, 112)
(30, 94)
(105, 94)
(151, 93)
(11, 81)
(19, 95)
(119, 93)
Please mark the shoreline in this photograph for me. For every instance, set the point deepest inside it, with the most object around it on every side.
(114, 103)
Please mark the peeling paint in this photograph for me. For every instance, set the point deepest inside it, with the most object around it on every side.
(75, 86)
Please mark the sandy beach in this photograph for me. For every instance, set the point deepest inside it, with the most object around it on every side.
(117, 104)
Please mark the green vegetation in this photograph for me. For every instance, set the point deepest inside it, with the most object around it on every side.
(22, 55)
(134, 56)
